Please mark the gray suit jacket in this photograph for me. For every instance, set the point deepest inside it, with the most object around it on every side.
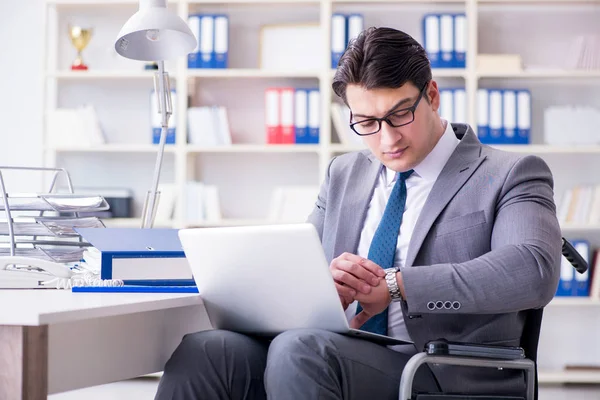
(486, 247)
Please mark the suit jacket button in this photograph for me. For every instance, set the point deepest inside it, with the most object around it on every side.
(456, 305)
(431, 306)
(439, 305)
(447, 305)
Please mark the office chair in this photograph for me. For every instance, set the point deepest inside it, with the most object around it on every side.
(476, 355)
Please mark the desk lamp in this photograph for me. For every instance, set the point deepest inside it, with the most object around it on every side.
(156, 34)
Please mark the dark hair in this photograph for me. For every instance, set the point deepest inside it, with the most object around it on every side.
(382, 58)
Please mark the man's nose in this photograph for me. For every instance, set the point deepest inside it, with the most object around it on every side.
(389, 135)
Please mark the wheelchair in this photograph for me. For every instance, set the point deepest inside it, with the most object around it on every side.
(523, 357)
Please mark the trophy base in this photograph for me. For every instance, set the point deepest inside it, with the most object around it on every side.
(80, 67)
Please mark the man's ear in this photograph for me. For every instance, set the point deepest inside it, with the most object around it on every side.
(433, 95)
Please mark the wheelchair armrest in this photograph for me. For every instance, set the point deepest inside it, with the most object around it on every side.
(443, 347)
(467, 354)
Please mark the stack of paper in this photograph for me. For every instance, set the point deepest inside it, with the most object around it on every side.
(577, 125)
(584, 53)
(74, 127)
(208, 126)
(340, 115)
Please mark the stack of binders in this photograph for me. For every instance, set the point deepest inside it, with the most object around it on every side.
(138, 256)
(212, 34)
(571, 283)
(504, 116)
(292, 116)
(453, 104)
(445, 40)
(344, 28)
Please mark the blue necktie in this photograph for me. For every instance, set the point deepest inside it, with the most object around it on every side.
(383, 246)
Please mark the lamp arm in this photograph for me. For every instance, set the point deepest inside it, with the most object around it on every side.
(163, 91)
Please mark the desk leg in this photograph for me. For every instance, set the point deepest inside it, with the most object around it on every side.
(23, 362)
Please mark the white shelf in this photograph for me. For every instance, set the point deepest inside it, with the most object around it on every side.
(547, 148)
(542, 2)
(238, 222)
(449, 73)
(133, 223)
(91, 75)
(249, 73)
(400, 1)
(115, 148)
(438, 72)
(345, 148)
(579, 227)
(252, 2)
(548, 376)
(543, 74)
(574, 302)
(256, 148)
(80, 3)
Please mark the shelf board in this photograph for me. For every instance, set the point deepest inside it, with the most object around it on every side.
(251, 2)
(549, 376)
(579, 227)
(345, 148)
(400, 1)
(114, 148)
(565, 2)
(449, 72)
(133, 223)
(548, 148)
(107, 74)
(256, 148)
(238, 222)
(561, 301)
(543, 74)
(437, 72)
(94, 2)
(249, 73)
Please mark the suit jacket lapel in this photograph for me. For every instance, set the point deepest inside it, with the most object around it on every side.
(460, 166)
(357, 195)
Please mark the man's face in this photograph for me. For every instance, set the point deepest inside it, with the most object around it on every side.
(398, 148)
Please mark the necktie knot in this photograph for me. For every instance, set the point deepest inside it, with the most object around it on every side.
(404, 175)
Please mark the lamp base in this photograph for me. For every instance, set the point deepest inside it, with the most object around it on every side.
(148, 220)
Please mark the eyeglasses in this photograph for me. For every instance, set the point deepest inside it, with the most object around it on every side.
(394, 119)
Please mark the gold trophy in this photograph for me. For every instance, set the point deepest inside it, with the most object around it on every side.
(80, 37)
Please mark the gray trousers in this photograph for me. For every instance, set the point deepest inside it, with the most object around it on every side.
(297, 364)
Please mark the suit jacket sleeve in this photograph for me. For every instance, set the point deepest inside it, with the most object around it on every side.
(523, 267)
(317, 217)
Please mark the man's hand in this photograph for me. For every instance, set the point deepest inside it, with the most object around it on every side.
(354, 275)
(372, 304)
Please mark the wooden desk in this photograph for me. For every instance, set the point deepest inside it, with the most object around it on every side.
(53, 341)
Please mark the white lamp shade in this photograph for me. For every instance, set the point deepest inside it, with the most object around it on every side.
(155, 34)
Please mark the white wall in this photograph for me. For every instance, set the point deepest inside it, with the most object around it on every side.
(21, 30)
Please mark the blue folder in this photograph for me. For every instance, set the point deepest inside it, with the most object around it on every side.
(135, 289)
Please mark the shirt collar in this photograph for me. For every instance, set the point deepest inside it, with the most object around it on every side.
(432, 165)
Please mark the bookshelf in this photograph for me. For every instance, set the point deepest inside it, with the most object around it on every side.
(247, 171)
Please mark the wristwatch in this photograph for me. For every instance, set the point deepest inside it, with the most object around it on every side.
(392, 283)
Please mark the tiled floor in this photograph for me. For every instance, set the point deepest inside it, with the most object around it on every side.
(144, 388)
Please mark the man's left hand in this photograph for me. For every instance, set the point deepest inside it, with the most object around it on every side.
(372, 304)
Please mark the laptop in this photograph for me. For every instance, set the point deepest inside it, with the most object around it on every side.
(264, 280)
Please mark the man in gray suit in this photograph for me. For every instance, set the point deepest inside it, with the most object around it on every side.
(429, 234)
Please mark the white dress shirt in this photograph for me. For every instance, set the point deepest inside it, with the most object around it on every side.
(418, 186)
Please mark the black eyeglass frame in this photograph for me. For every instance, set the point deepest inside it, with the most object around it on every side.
(385, 118)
